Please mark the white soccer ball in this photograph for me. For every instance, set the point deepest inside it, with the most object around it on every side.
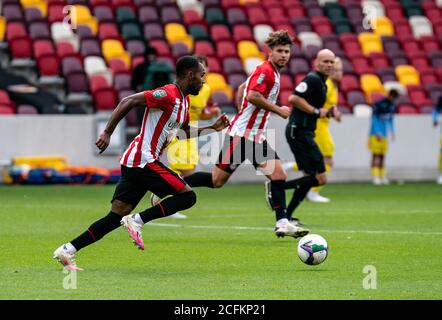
(312, 249)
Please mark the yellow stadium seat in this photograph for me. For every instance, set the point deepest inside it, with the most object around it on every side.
(370, 42)
(248, 49)
(370, 83)
(383, 26)
(217, 82)
(114, 49)
(80, 14)
(92, 24)
(176, 32)
(40, 4)
(2, 28)
(407, 75)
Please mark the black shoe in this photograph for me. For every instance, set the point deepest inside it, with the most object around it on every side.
(268, 195)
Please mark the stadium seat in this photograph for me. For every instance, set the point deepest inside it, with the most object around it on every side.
(407, 75)
(13, 12)
(94, 65)
(217, 82)
(61, 33)
(370, 83)
(370, 42)
(116, 65)
(232, 65)
(27, 109)
(420, 26)
(383, 26)
(153, 31)
(220, 32)
(407, 109)
(242, 32)
(148, 14)
(179, 49)
(41, 47)
(349, 82)
(299, 65)
(261, 32)
(251, 63)
(362, 111)
(105, 99)
(39, 30)
(90, 47)
(236, 15)
(248, 49)
(204, 48)
(161, 46)
(310, 38)
(199, 32)
(104, 13)
(33, 14)
(355, 97)
(135, 48)
(131, 31)
(114, 49)
(20, 48)
(176, 32)
(48, 65)
(236, 79)
(2, 28)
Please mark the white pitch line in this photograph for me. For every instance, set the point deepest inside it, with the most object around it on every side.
(171, 225)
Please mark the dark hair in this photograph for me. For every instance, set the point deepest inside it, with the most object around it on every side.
(393, 93)
(185, 64)
(202, 59)
(280, 37)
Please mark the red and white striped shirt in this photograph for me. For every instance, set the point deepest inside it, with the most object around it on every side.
(251, 121)
(167, 109)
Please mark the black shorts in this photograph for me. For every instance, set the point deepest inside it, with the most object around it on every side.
(238, 149)
(154, 177)
(307, 154)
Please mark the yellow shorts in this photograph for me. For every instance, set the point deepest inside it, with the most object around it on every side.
(378, 146)
(182, 154)
(325, 142)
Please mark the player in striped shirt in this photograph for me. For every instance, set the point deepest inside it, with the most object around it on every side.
(166, 111)
(245, 139)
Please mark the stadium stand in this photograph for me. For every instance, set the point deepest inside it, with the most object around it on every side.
(107, 39)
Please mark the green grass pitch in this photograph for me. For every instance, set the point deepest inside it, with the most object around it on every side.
(226, 249)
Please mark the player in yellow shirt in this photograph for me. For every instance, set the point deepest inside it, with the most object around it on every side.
(183, 154)
(323, 136)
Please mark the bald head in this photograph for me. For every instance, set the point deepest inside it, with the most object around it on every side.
(325, 60)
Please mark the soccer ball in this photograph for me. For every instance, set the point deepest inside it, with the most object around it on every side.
(312, 249)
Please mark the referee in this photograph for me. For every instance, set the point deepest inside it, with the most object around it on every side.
(308, 100)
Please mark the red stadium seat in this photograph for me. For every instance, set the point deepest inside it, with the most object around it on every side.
(49, 65)
(105, 99)
(220, 32)
(407, 109)
(41, 47)
(21, 48)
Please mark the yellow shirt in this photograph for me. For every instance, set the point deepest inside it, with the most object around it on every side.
(199, 102)
(330, 101)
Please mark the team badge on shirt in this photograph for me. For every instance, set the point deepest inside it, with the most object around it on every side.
(261, 78)
(302, 87)
(159, 93)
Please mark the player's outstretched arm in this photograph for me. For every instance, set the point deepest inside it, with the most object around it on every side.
(125, 105)
(221, 123)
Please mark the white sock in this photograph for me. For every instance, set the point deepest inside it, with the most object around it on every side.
(281, 222)
(138, 219)
(69, 248)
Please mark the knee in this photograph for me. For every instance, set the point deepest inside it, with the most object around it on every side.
(190, 197)
(218, 183)
(121, 208)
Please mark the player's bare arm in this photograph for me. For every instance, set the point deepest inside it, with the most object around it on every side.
(125, 105)
(221, 123)
(303, 105)
(258, 100)
(240, 95)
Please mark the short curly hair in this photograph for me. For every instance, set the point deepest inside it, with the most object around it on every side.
(280, 37)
